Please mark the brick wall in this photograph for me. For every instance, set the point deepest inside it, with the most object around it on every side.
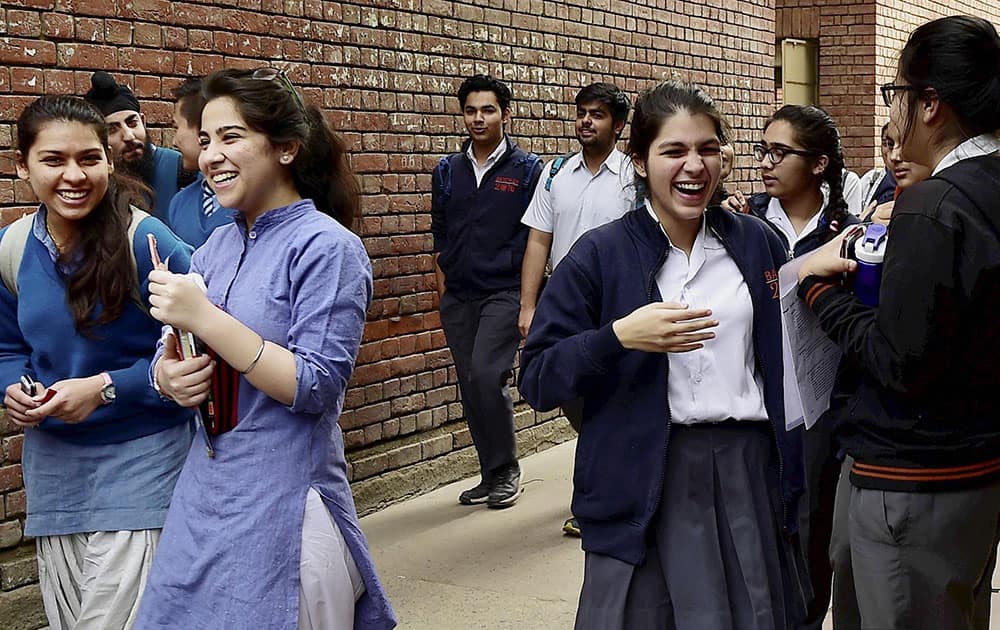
(386, 72)
(859, 44)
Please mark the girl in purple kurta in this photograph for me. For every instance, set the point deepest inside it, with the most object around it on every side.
(262, 531)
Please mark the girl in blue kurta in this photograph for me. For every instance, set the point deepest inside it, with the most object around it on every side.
(102, 454)
(262, 531)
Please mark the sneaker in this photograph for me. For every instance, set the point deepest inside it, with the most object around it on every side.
(477, 495)
(571, 527)
(506, 487)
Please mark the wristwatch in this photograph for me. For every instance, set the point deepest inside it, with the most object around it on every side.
(108, 393)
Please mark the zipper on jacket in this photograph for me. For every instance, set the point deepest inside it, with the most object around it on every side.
(763, 374)
(657, 496)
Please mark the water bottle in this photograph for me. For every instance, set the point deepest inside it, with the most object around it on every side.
(870, 252)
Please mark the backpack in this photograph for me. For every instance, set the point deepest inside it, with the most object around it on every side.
(443, 172)
(557, 164)
(16, 237)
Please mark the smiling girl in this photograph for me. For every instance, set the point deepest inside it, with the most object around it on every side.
(102, 454)
(685, 476)
(262, 531)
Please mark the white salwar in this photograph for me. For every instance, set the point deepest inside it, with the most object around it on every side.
(329, 580)
(93, 581)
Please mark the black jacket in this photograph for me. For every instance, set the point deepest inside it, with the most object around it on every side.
(572, 351)
(927, 415)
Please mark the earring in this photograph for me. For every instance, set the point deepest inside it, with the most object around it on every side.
(285, 159)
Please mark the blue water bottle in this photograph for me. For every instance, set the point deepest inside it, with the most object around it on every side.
(870, 252)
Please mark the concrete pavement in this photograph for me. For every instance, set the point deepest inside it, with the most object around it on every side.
(453, 567)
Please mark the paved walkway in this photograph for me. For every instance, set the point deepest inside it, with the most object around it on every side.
(452, 567)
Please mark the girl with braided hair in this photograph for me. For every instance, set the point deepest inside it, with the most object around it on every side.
(802, 167)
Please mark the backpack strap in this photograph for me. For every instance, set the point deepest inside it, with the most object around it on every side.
(530, 162)
(443, 171)
(133, 227)
(557, 164)
(12, 250)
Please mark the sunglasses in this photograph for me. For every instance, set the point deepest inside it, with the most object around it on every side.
(270, 74)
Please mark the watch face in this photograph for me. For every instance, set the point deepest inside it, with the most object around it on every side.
(108, 393)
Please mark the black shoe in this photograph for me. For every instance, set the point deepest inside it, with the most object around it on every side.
(506, 487)
(477, 495)
(571, 527)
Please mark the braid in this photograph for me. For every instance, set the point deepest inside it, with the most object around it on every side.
(816, 131)
(836, 207)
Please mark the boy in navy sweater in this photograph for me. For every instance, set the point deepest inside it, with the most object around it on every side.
(478, 198)
(194, 212)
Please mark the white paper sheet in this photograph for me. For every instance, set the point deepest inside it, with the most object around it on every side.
(810, 358)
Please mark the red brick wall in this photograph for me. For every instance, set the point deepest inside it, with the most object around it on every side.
(386, 71)
(859, 44)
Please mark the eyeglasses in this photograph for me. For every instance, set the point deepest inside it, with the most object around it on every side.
(270, 74)
(889, 91)
(777, 154)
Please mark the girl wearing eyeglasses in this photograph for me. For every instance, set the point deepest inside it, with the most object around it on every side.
(802, 167)
(924, 507)
(262, 530)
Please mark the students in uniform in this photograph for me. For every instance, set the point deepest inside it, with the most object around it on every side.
(666, 322)
(925, 502)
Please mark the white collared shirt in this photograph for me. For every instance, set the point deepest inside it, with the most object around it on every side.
(983, 144)
(721, 380)
(580, 200)
(480, 171)
(776, 214)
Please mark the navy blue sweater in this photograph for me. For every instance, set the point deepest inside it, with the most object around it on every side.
(187, 218)
(572, 351)
(477, 229)
(820, 236)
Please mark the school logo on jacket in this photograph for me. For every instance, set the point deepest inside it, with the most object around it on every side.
(771, 278)
(506, 184)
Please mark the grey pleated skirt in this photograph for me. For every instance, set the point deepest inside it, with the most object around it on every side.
(716, 557)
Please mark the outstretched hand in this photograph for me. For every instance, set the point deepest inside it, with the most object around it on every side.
(826, 261)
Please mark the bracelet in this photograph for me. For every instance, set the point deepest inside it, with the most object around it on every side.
(253, 364)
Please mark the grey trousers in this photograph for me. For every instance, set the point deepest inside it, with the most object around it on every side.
(924, 559)
(483, 337)
(845, 597)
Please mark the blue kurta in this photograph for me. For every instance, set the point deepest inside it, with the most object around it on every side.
(116, 469)
(229, 555)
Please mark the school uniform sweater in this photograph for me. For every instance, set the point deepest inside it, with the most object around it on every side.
(477, 229)
(186, 215)
(38, 337)
(572, 351)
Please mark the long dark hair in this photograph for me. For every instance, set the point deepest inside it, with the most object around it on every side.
(270, 105)
(656, 105)
(817, 132)
(106, 277)
(959, 58)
